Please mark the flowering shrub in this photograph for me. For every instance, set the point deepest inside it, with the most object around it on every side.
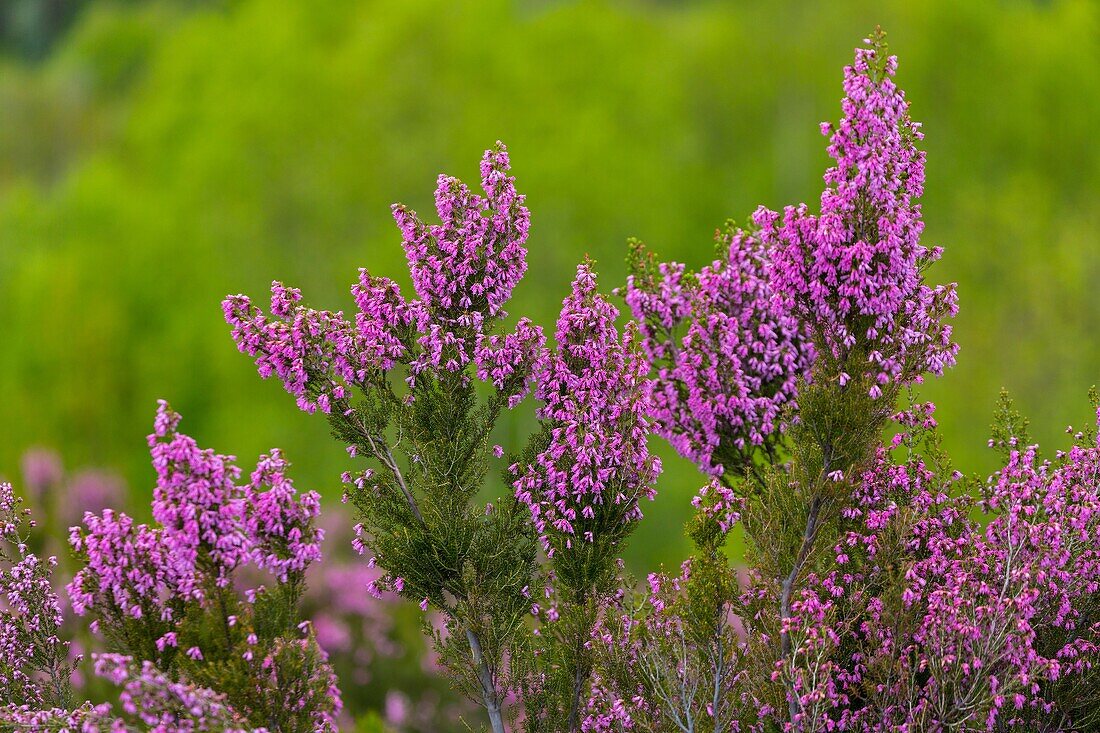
(873, 601)
(776, 369)
(884, 590)
(165, 593)
(34, 659)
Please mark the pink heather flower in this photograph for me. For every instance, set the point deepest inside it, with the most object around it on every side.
(464, 271)
(160, 703)
(31, 650)
(465, 268)
(127, 568)
(508, 362)
(207, 525)
(596, 467)
(716, 502)
(279, 521)
(87, 717)
(727, 354)
(196, 499)
(854, 272)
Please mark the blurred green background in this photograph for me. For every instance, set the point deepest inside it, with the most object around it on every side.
(155, 156)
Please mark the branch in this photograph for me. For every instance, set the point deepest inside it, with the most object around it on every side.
(488, 688)
(808, 537)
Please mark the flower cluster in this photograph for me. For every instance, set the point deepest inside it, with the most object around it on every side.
(87, 718)
(854, 272)
(596, 467)
(196, 501)
(154, 700)
(843, 622)
(278, 522)
(728, 356)
(989, 627)
(34, 660)
(429, 441)
(464, 270)
(168, 594)
(208, 526)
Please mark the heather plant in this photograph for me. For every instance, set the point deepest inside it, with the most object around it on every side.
(400, 385)
(34, 659)
(883, 591)
(165, 598)
(873, 600)
(582, 478)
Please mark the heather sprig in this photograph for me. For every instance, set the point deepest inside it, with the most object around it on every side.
(582, 479)
(929, 620)
(34, 659)
(400, 386)
(169, 594)
(854, 273)
(854, 277)
(152, 700)
(728, 356)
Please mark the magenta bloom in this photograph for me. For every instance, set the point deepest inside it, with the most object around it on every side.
(595, 467)
(464, 270)
(728, 355)
(854, 272)
(207, 525)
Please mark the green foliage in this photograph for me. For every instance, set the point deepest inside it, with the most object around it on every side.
(1009, 429)
(472, 562)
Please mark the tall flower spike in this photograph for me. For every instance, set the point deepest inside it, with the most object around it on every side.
(855, 273)
(596, 467)
(465, 268)
(728, 356)
(196, 499)
(279, 522)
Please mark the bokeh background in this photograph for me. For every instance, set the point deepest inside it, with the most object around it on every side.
(155, 156)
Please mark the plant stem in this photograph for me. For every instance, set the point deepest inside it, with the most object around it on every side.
(485, 677)
(808, 537)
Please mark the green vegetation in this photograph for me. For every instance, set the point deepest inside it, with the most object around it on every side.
(165, 154)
